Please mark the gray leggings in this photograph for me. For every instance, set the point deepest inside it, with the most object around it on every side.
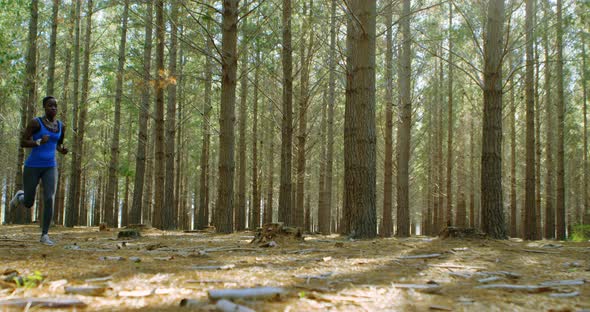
(31, 177)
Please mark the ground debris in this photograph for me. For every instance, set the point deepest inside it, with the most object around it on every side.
(457, 232)
(439, 308)
(214, 267)
(86, 290)
(425, 256)
(137, 293)
(129, 233)
(43, 303)
(98, 279)
(278, 233)
(228, 306)
(111, 258)
(427, 288)
(527, 288)
(563, 283)
(247, 293)
(565, 295)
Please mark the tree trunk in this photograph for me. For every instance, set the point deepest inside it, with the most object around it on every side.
(560, 204)
(181, 150)
(449, 210)
(405, 125)
(586, 211)
(491, 167)
(71, 215)
(325, 211)
(285, 202)
(125, 209)
(386, 224)
(441, 196)
(268, 204)
(52, 48)
(240, 212)
(113, 178)
(148, 198)
(360, 213)
(225, 186)
(472, 218)
(306, 60)
(159, 170)
(169, 212)
(203, 218)
(75, 180)
(28, 101)
(142, 136)
(255, 222)
(61, 182)
(513, 203)
(530, 221)
(549, 119)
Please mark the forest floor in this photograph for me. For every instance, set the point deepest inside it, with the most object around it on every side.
(321, 273)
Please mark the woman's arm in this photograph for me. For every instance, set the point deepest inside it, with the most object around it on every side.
(26, 139)
(60, 143)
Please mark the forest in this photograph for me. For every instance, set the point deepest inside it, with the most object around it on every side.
(404, 139)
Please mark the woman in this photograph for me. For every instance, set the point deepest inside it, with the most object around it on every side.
(44, 135)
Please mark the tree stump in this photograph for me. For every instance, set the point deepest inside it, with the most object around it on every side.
(278, 233)
(460, 232)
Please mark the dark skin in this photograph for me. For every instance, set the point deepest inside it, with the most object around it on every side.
(49, 119)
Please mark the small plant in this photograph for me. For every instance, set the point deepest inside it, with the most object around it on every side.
(581, 233)
(30, 281)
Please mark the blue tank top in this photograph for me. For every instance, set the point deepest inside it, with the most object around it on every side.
(43, 156)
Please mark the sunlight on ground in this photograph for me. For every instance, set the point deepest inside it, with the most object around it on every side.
(321, 273)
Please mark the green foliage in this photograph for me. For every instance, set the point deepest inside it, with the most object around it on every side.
(581, 233)
(30, 281)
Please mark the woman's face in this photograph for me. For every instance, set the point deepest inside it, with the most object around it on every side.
(50, 108)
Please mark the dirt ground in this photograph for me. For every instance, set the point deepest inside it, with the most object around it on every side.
(321, 273)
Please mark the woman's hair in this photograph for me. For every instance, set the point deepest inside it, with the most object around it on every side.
(47, 99)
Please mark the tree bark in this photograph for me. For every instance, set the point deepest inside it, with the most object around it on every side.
(159, 170)
(491, 167)
(21, 216)
(450, 124)
(240, 212)
(285, 200)
(549, 119)
(325, 212)
(560, 202)
(513, 203)
(386, 224)
(52, 48)
(72, 207)
(255, 222)
(225, 186)
(111, 210)
(586, 212)
(360, 219)
(441, 196)
(61, 183)
(142, 135)
(169, 212)
(530, 222)
(306, 60)
(405, 126)
(203, 218)
(268, 204)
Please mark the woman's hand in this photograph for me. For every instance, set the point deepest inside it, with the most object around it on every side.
(44, 139)
(62, 149)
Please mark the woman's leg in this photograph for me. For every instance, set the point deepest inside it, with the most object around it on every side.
(49, 179)
(31, 178)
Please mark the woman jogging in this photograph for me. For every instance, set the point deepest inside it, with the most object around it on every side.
(44, 135)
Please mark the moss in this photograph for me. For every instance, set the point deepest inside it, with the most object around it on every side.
(581, 233)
